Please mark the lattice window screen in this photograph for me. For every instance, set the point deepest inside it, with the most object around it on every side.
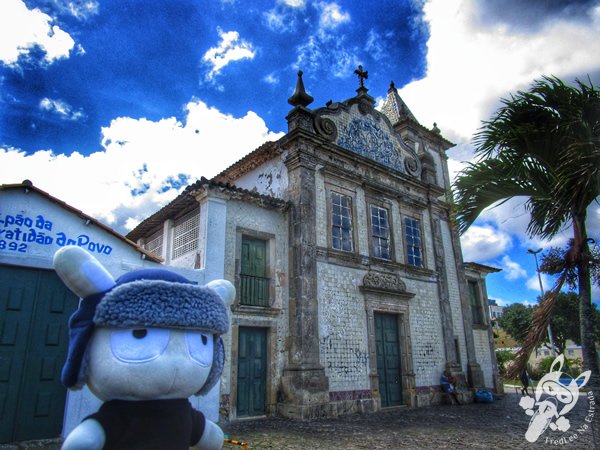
(185, 235)
(154, 244)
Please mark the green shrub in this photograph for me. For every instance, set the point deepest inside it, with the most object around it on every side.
(503, 357)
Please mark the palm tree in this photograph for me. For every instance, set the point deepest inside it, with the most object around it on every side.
(543, 144)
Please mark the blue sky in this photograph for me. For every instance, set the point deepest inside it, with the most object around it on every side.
(114, 105)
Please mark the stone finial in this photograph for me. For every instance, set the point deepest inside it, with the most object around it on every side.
(300, 97)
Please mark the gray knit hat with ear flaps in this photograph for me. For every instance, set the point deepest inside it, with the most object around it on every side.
(157, 298)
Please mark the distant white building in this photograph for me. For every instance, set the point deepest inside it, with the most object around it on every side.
(495, 310)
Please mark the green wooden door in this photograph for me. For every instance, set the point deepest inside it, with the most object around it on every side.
(387, 346)
(254, 284)
(252, 372)
(34, 310)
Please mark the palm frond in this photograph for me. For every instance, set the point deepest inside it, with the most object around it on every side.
(537, 330)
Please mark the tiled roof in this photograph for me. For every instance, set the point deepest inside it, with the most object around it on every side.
(476, 267)
(186, 201)
(249, 162)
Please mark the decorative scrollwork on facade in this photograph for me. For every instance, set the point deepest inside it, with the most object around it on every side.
(383, 281)
(412, 165)
(326, 128)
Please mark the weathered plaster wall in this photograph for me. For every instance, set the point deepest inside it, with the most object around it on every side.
(271, 225)
(270, 178)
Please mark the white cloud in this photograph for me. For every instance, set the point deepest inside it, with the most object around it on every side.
(276, 20)
(332, 15)
(484, 243)
(271, 78)
(129, 178)
(501, 301)
(470, 66)
(511, 269)
(293, 3)
(533, 283)
(374, 45)
(61, 109)
(230, 48)
(22, 29)
(80, 9)
(326, 50)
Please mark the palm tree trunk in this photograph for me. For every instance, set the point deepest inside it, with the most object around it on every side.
(590, 356)
(588, 347)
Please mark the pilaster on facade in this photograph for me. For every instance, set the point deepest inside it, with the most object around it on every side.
(475, 376)
(304, 385)
(444, 294)
(212, 233)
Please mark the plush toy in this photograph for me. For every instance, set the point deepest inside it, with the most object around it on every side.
(143, 344)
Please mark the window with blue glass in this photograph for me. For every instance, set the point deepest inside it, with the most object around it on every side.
(414, 251)
(380, 232)
(341, 222)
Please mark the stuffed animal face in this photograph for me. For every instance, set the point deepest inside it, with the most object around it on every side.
(148, 363)
(149, 335)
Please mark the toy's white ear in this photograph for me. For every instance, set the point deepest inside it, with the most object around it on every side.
(225, 289)
(558, 361)
(81, 272)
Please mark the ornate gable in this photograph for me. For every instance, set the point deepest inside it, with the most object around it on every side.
(358, 127)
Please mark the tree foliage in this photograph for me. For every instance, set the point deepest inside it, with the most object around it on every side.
(565, 321)
(556, 260)
(543, 144)
(515, 320)
(504, 357)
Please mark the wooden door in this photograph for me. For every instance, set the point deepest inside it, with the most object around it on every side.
(34, 310)
(387, 344)
(254, 284)
(252, 372)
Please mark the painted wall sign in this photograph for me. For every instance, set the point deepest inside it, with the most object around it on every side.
(18, 233)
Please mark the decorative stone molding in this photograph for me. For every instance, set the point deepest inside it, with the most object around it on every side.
(385, 282)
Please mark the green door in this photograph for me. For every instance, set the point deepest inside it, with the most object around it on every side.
(34, 311)
(387, 346)
(252, 372)
(254, 284)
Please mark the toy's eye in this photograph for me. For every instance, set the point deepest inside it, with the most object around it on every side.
(139, 344)
(200, 347)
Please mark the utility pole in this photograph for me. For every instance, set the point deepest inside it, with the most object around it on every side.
(537, 268)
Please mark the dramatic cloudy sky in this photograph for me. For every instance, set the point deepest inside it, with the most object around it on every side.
(115, 105)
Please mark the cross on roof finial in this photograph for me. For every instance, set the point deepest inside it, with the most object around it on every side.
(362, 76)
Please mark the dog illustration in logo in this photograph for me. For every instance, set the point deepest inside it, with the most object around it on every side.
(559, 399)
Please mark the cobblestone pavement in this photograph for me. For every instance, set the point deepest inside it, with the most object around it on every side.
(499, 425)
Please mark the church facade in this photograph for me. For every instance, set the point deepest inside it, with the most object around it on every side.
(352, 292)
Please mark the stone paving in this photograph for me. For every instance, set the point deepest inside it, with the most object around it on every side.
(499, 425)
